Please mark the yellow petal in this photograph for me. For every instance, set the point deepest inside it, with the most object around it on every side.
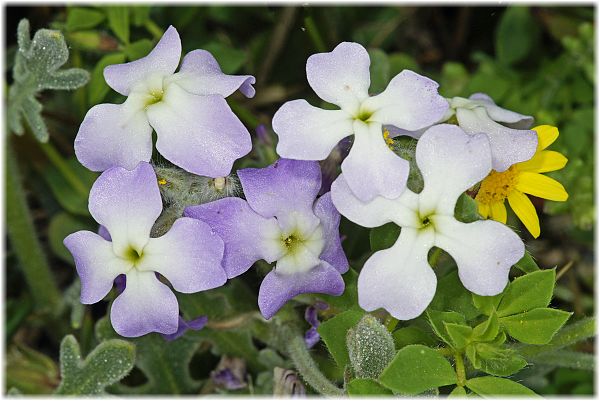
(498, 211)
(543, 162)
(525, 211)
(484, 209)
(541, 186)
(547, 134)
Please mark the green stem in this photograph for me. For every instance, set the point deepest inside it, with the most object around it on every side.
(24, 241)
(66, 171)
(461, 377)
(390, 323)
(309, 370)
(313, 33)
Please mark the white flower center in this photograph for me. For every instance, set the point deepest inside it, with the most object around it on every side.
(300, 248)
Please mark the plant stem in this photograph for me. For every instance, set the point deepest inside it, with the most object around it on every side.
(24, 241)
(314, 34)
(308, 369)
(390, 323)
(66, 171)
(461, 377)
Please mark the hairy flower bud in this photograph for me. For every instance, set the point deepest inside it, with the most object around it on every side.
(370, 347)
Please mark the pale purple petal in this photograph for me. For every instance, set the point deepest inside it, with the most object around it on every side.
(248, 236)
(309, 133)
(276, 289)
(127, 203)
(112, 136)
(497, 113)
(200, 74)
(188, 255)
(284, 189)
(450, 162)
(341, 76)
(103, 232)
(198, 133)
(399, 279)
(96, 263)
(410, 101)
(484, 252)
(162, 60)
(184, 325)
(333, 253)
(508, 146)
(311, 337)
(146, 305)
(396, 132)
(371, 168)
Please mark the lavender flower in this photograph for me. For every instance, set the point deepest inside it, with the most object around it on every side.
(280, 222)
(127, 203)
(185, 325)
(195, 127)
(341, 77)
(312, 337)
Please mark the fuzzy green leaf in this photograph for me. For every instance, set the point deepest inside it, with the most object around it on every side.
(533, 290)
(417, 368)
(437, 319)
(108, 363)
(488, 386)
(366, 387)
(333, 332)
(65, 79)
(488, 330)
(494, 359)
(536, 326)
(459, 334)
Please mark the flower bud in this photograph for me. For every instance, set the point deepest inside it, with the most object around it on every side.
(370, 347)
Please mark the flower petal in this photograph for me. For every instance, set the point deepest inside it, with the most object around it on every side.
(248, 237)
(285, 189)
(276, 289)
(127, 203)
(377, 212)
(162, 60)
(198, 133)
(483, 209)
(188, 255)
(110, 136)
(484, 252)
(96, 263)
(497, 113)
(309, 133)
(341, 76)
(498, 211)
(451, 162)
(508, 146)
(525, 211)
(333, 253)
(399, 279)
(200, 74)
(145, 306)
(410, 102)
(541, 186)
(543, 162)
(546, 134)
(183, 326)
(371, 168)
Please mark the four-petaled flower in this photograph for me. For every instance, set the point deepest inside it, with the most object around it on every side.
(510, 139)
(127, 203)
(524, 178)
(399, 279)
(341, 77)
(196, 129)
(280, 221)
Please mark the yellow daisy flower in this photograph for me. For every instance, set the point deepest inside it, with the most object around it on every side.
(524, 178)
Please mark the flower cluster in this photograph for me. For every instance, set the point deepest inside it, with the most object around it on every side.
(463, 145)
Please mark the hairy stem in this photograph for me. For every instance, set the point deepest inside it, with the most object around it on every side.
(24, 241)
(308, 369)
(461, 377)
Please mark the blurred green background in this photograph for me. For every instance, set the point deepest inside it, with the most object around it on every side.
(534, 60)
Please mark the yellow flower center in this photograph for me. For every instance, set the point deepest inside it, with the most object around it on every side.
(497, 186)
(388, 141)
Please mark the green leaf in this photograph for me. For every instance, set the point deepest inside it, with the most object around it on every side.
(451, 295)
(83, 18)
(569, 335)
(437, 319)
(230, 59)
(366, 387)
(466, 209)
(370, 347)
(493, 386)
(333, 332)
(118, 21)
(98, 87)
(412, 335)
(566, 359)
(401, 61)
(380, 70)
(417, 368)
(66, 79)
(70, 199)
(458, 392)
(515, 35)
(138, 49)
(494, 359)
(139, 15)
(108, 363)
(527, 263)
(488, 330)
(533, 290)
(384, 236)
(536, 326)
(61, 225)
(454, 79)
(486, 305)
(459, 334)
(349, 299)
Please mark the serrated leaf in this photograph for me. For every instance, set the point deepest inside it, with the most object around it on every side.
(333, 332)
(437, 319)
(417, 368)
(366, 387)
(536, 326)
(527, 263)
(108, 363)
(83, 18)
(412, 335)
(384, 236)
(533, 290)
(118, 21)
(493, 386)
